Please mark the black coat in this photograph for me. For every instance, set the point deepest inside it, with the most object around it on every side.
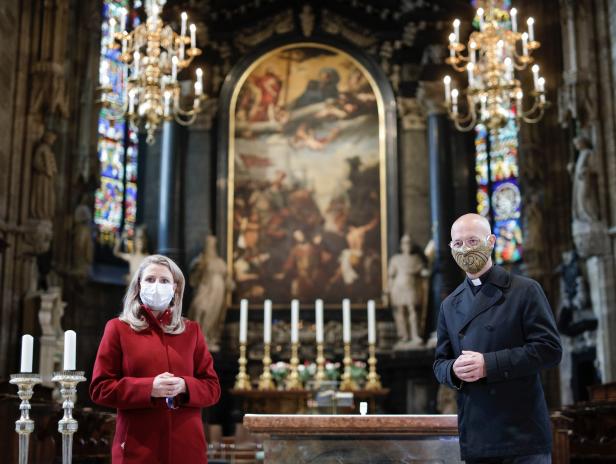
(510, 321)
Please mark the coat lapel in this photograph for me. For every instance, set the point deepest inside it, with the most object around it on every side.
(484, 300)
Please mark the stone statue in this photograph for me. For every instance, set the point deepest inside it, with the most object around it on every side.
(83, 245)
(406, 294)
(135, 255)
(585, 205)
(209, 278)
(589, 232)
(50, 315)
(43, 195)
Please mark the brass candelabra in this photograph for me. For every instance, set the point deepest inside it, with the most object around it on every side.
(373, 381)
(67, 426)
(320, 376)
(24, 426)
(242, 380)
(293, 382)
(347, 383)
(265, 380)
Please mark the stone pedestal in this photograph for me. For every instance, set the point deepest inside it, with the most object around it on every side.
(342, 439)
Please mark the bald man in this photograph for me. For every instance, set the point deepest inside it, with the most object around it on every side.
(496, 331)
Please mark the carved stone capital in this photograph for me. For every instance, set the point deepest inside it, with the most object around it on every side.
(430, 95)
(411, 114)
(37, 236)
(590, 238)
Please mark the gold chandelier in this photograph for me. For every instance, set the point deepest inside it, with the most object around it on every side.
(494, 95)
(153, 55)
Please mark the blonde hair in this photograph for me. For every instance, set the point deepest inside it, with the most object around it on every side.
(131, 312)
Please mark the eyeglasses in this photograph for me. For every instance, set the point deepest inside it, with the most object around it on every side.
(469, 242)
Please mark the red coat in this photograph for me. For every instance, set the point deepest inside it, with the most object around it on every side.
(147, 431)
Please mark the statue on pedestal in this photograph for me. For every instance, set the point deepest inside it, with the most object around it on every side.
(44, 171)
(406, 271)
(135, 254)
(208, 276)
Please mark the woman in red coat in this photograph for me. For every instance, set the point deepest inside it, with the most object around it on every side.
(154, 367)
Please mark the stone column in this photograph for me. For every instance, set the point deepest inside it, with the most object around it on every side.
(414, 171)
(442, 212)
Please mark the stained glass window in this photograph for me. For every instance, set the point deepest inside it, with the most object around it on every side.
(498, 193)
(115, 200)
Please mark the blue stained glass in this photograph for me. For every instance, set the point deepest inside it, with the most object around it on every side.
(115, 200)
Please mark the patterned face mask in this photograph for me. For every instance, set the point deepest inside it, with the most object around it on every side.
(472, 259)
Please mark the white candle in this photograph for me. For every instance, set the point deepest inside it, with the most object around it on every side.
(27, 343)
(131, 102)
(518, 97)
(371, 323)
(452, 39)
(193, 36)
(346, 320)
(294, 321)
(70, 350)
(184, 16)
(153, 18)
(535, 70)
(199, 73)
(525, 44)
(514, 19)
(319, 320)
(484, 110)
(454, 100)
(136, 58)
(456, 29)
(182, 50)
(508, 68)
(542, 89)
(198, 89)
(124, 45)
(243, 321)
(174, 68)
(472, 51)
(471, 80)
(531, 29)
(167, 108)
(480, 15)
(447, 82)
(123, 20)
(267, 321)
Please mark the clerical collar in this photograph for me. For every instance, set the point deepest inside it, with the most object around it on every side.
(482, 279)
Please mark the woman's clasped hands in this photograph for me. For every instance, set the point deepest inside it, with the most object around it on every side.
(167, 385)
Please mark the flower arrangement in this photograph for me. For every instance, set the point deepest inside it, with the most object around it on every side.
(279, 371)
(306, 371)
(359, 372)
(332, 370)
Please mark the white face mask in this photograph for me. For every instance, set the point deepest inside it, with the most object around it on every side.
(156, 296)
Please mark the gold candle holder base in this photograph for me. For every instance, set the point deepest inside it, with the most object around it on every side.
(373, 382)
(293, 382)
(266, 381)
(24, 426)
(67, 426)
(242, 380)
(347, 383)
(319, 376)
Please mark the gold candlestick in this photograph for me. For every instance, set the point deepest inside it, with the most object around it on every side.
(293, 381)
(347, 383)
(319, 376)
(242, 380)
(67, 426)
(265, 380)
(24, 426)
(374, 380)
